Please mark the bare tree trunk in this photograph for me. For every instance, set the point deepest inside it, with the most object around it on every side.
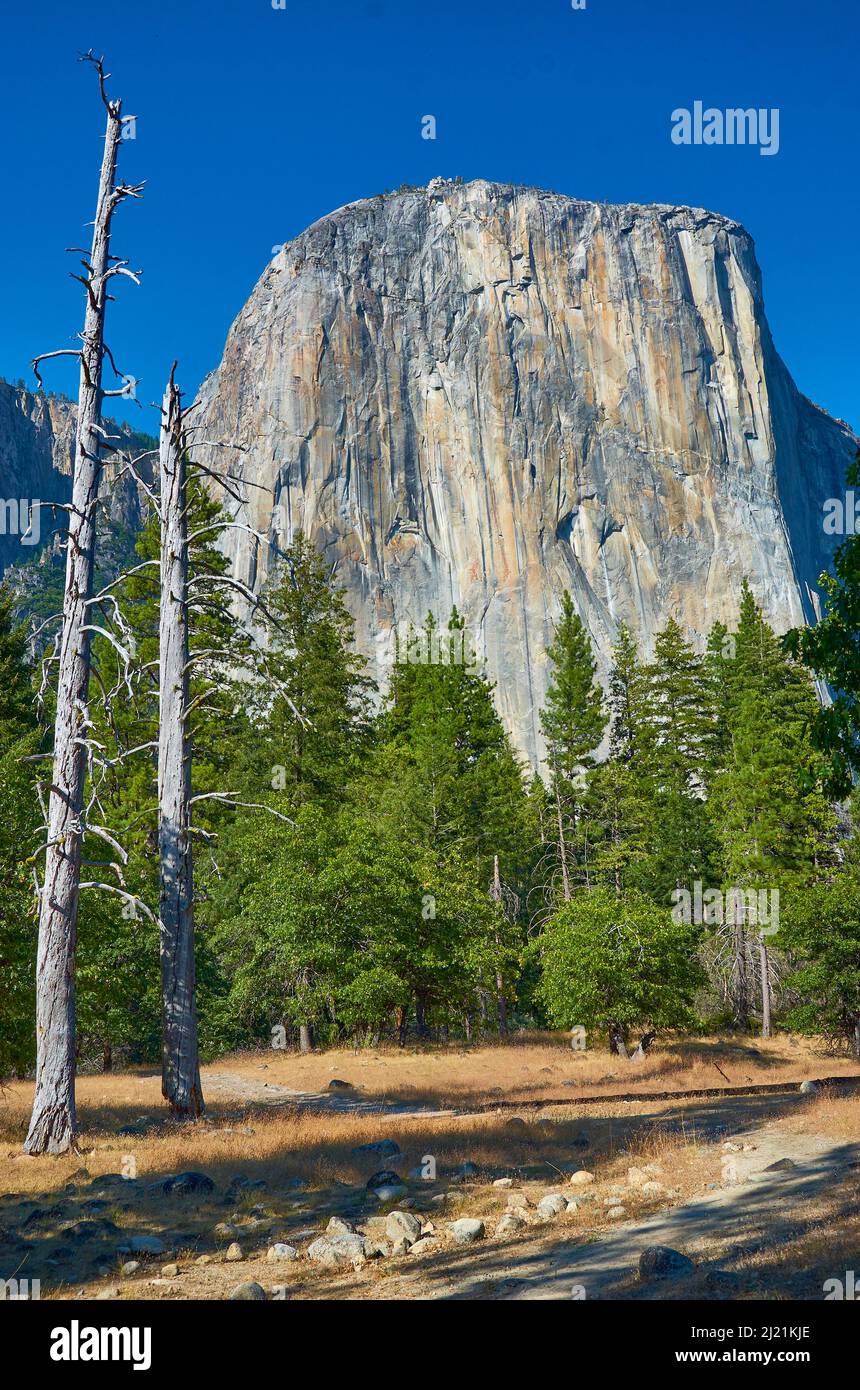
(742, 990)
(765, 986)
(53, 1125)
(482, 1008)
(642, 1047)
(180, 1070)
(501, 1001)
(305, 1041)
(562, 847)
(421, 1015)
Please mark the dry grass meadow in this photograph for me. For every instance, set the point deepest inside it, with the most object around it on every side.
(62, 1218)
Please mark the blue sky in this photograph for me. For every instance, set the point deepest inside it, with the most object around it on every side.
(254, 121)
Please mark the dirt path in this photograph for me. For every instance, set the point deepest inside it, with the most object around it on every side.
(230, 1086)
(716, 1229)
(762, 1206)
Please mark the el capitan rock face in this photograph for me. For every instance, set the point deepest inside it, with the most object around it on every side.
(483, 395)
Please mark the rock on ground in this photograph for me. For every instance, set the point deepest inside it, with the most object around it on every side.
(662, 1262)
(250, 1292)
(338, 1252)
(466, 1230)
(402, 1225)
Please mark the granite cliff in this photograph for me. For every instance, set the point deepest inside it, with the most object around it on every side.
(483, 394)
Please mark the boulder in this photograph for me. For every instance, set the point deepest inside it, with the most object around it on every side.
(391, 1192)
(662, 1262)
(338, 1252)
(188, 1185)
(402, 1225)
(382, 1148)
(385, 1177)
(466, 1231)
(280, 1253)
(511, 1222)
(551, 1206)
(146, 1245)
(250, 1292)
(338, 1226)
(466, 1172)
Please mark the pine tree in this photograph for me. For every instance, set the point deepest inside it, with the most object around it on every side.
(679, 751)
(776, 830)
(823, 935)
(619, 804)
(832, 652)
(446, 781)
(573, 722)
(311, 733)
(313, 710)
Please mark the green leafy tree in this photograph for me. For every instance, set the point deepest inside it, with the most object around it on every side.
(612, 965)
(775, 827)
(822, 933)
(344, 927)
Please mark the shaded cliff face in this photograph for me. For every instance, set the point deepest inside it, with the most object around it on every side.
(37, 446)
(37, 440)
(485, 395)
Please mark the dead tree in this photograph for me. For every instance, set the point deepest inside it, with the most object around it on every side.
(765, 981)
(179, 590)
(501, 1001)
(53, 1126)
(180, 1070)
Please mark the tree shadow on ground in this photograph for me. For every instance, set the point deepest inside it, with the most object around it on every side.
(60, 1236)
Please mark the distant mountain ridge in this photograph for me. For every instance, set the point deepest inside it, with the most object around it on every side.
(37, 441)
